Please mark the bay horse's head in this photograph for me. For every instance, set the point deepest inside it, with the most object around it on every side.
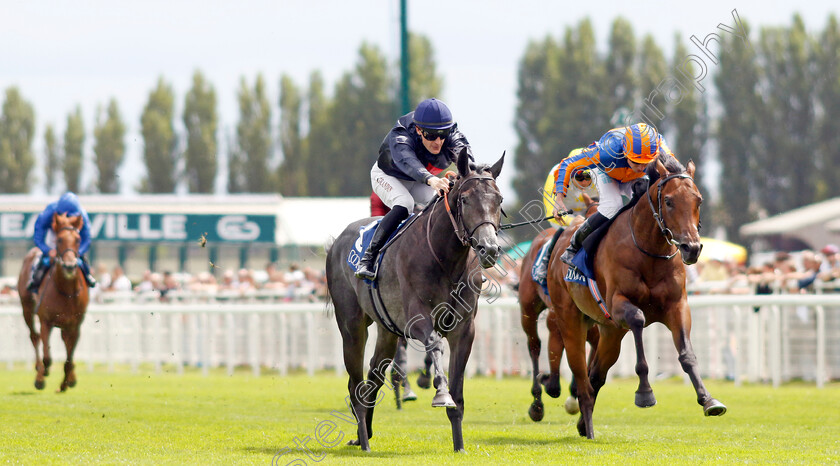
(67, 242)
(478, 205)
(675, 202)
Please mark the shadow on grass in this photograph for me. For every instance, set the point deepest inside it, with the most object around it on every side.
(22, 393)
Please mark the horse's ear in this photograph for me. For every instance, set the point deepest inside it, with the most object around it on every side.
(690, 168)
(55, 221)
(497, 167)
(463, 162)
(660, 168)
(77, 222)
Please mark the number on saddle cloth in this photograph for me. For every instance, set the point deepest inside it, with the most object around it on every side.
(363, 241)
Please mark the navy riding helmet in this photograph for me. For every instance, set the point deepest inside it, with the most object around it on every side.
(433, 114)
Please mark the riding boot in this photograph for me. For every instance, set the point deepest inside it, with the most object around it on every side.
(584, 230)
(38, 277)
(383, 232)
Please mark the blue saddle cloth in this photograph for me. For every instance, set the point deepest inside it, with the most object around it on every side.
(363, 241)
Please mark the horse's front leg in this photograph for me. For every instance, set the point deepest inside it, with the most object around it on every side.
(635, 319)
(71, 338)
(461, 346)
(679, 323)
(423, 330)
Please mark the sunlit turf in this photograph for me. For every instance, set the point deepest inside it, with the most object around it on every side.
(151, 418)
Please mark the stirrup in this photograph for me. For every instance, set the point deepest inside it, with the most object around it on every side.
(567, 257)
(364, 273)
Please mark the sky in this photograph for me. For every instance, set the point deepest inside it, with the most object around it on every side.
(62, 54)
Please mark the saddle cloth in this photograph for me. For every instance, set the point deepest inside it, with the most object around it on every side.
(363, 241)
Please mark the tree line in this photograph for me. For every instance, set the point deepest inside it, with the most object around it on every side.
(766, 108)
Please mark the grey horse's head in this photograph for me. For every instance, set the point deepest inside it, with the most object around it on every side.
(479, 205)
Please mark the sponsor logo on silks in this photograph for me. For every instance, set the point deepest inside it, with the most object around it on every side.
(572, 275)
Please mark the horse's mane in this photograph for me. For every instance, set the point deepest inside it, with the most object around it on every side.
(672, 165)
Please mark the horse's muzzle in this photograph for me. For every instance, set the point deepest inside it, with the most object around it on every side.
(487, 254)
(690, 252)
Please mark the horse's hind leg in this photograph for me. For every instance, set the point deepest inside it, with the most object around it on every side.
(398, 372)
(34, 337)
(424, 380)
(43, 366)
(71, 338)
(574, 328)
(352, 324)
(386, 345)
(555, 355)
(530, 311)
(680, 332)
(592, 336)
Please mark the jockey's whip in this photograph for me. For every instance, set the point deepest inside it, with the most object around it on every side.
(507, 226)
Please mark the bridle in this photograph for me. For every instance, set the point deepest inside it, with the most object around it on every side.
(60, 261)
(462, 234)
(657, 215)
(60, 255)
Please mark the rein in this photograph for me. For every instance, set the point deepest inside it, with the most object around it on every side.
(660, 220)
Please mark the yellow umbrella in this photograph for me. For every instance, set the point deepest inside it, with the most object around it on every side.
(722, 250)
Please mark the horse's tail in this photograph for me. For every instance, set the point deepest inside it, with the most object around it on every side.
(328, 301)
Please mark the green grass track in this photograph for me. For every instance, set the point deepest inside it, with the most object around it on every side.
(151, 418)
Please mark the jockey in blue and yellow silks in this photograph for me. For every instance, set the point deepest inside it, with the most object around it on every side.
(616, 160)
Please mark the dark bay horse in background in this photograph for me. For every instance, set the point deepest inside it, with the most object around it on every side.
(532, 302)
(429, 282)
(641, 282)
(61, 300)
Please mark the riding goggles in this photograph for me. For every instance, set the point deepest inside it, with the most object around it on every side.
(433, 134)
(583, 176)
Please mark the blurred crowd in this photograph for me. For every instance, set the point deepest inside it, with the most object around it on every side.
(800, 272)
(293, 284)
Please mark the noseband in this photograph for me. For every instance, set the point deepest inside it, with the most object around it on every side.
(660, 220)
(465, 237)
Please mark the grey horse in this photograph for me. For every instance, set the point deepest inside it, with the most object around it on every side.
(428, 284)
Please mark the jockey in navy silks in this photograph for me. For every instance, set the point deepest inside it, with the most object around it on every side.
(420, 146)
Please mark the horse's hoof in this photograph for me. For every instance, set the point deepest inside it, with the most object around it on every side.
(461, 451)
(39, 384)
(536, 412)
(572, 406)
(645, 399)
(424, 381)
(552, 390)
(353, 443)
(71, 384)
(443, 400)
(409, 395)
(714, 408)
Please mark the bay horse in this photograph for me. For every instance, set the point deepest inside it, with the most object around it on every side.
(61, 301)
(532, 302)
(428, 285)
(641, 282)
